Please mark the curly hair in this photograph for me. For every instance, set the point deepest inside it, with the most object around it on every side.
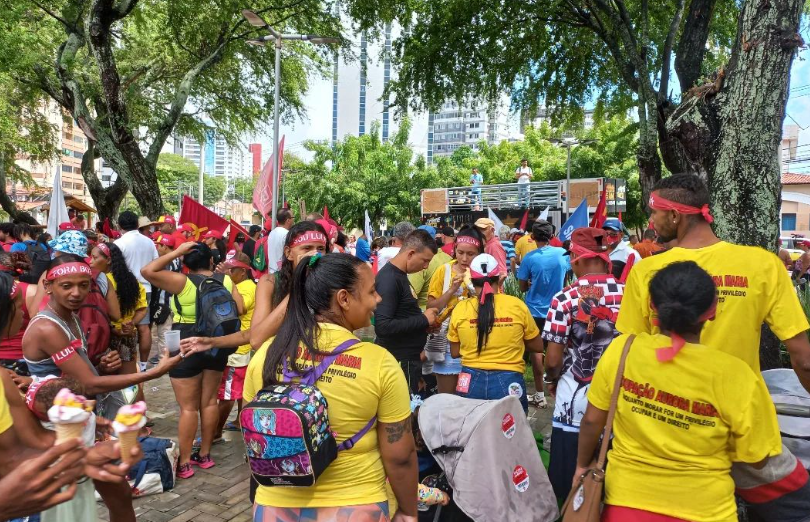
(15, 263)
(127, 285)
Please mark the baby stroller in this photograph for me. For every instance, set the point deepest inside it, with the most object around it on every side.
(489, 457)
(793, 411)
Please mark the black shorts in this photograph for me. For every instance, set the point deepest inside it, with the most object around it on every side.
(563, 461)
(195, 363)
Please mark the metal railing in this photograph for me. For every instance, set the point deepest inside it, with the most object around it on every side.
(509, 195)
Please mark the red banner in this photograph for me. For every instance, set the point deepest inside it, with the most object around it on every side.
(235, 229)
(201, 217)
(601, 210)
(263, 194)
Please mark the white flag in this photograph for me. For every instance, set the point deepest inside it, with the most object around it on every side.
(498, 222)
(544, 214)
(367, 228)
(58, 212)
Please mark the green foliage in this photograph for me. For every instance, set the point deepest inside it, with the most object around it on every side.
(178, 176)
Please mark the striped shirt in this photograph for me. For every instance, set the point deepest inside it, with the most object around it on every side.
(509, 248)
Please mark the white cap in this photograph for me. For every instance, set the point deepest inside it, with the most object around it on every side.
(484, 264)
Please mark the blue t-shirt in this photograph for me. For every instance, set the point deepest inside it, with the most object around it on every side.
(362, 250)
(476, 180)
(23, 246)
(545, 268)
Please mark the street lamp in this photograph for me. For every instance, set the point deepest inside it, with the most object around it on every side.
(277, 37)
(569, 142)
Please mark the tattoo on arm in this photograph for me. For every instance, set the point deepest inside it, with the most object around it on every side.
(397, 430)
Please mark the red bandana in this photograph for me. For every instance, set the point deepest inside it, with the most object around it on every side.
(68, 269)
(311, 236)
(487, 287)
(657, 202)
(469, 240)
(667, 353)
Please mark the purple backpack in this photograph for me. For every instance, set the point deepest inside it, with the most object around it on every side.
(286, 429)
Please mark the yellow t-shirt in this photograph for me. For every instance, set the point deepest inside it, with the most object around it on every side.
(753, 287)
(679, 425)
(247, 289)
(364, 382)
(420, 281)
(188, 301)
(523, 246)
(505, 343)
(141, 303)
(436, 288)
(5, 413)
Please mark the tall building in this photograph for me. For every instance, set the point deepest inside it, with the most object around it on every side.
(220, 159)
(468, 125)
(788, 146)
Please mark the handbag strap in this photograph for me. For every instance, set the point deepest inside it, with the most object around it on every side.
(614, 401)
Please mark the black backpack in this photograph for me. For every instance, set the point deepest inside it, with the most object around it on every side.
(40, 259)
(216, 312)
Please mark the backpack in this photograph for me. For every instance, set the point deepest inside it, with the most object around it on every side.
(155, 473)
(40, 259)
(260, 255)
(286, 429)
(94, 316)
(216, 311)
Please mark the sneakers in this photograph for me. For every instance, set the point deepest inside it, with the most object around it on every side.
(203, 461)
(185, 471)
(539, 400)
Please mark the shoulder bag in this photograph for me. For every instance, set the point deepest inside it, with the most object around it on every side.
(584, 503)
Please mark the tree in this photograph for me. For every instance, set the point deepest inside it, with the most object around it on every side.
(132, 73)
(726, 127)
(178, 176)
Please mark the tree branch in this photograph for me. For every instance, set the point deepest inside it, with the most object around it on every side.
(666, 55)
(123, 7)
(692, 44)
(52, 14)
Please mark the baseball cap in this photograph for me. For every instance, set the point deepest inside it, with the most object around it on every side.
(804, 243)
(515, 231)
(429, 229)
(168, 218)
(447, 231)
(212, 234)
(612, 224)
(484, 223)
(67, 225)
(185, 228)
(327, 227)
(484, 264)
(589, 238)
(165, 240)
(144, 221)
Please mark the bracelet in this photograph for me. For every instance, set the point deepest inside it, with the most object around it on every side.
(546, 380)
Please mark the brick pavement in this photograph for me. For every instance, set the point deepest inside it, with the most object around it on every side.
(220, 493)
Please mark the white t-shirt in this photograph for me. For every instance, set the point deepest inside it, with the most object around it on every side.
(384, 255)
(138, 252)
(275, 248)
(623, 252)
(525, 174)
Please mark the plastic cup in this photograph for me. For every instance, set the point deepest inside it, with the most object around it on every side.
(172, 338)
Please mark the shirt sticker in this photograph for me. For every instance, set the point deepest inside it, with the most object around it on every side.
(516, 389)
(520, 478)
(508, 426)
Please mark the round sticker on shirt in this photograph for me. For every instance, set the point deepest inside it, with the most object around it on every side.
(508, 426)
(516, 390)
(520, 478)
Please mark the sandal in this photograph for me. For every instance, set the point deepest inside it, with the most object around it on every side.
(230, 426)
(198, 442)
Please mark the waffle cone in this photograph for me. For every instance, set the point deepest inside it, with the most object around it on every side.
(128, 440)
(65, 432)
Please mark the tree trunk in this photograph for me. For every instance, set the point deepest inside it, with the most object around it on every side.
(647, 158)
(745, 184)
(107, 200)
(9, 206)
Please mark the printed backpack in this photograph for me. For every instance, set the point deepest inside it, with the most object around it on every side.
(286, 429)
(94, 316)
(216, 311)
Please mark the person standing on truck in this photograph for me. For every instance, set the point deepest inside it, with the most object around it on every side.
(523, 175)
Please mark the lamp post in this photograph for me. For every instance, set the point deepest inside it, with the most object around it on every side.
(569, 142)
(277, 37)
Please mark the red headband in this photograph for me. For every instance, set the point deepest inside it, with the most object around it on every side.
(104, 249)
(469, 240)
(31, 395)
(310, 236)
(236, 264)
(659, 203)
(667, 353)
(487, 290)
(68, 269)
(585, 253)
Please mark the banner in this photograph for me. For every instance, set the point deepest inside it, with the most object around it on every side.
(234, 230)
(367, 229)
(202, 218)
(544, 214)
(263, 193)
(498, 223)
(57, 213)
(600, 215)
(579, 219)
(325, 213)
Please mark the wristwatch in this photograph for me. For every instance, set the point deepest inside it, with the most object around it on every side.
(546, 380)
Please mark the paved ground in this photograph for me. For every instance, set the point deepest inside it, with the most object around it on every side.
(220, 493)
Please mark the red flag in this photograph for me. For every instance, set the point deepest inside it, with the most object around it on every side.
(202, 218)
(325, 213)
(601, 210)
(263, 193)
(525, 220)
(235, 229)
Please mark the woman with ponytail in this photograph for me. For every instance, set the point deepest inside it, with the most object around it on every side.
(490, 333)
(11, 357)
(108, 259)
(449, 286)
(330, 297)
(685, 413)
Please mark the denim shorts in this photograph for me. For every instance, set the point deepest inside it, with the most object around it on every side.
(449, 366)
(494, 385)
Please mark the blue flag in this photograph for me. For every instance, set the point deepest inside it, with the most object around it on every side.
(578, 219)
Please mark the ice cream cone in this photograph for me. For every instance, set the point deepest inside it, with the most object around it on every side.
(67, 431)
(128, 440)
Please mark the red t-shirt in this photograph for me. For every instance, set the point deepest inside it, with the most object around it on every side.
(494, 248)
(11, 348)
(447, 248)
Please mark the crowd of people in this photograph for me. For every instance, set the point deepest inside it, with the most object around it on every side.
(674, 321)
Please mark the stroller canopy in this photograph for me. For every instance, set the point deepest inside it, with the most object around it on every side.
(490, 457)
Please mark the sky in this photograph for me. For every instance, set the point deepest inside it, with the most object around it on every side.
(317, 122)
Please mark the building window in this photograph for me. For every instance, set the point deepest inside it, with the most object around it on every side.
(67, 168)
(788, 222)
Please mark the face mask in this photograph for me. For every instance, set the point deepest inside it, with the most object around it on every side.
(439, 242)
